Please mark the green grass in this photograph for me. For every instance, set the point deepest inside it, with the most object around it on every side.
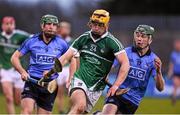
(147, 106)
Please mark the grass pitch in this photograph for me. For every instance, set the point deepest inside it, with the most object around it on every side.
(147, 106)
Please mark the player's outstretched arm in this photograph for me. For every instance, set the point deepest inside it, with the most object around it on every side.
(72, 69)
(123, 71)
(59, 63)
(15, 60)
(65, 58)
(159, 78)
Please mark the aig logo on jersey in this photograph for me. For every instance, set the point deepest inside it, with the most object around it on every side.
(137, 73)
(44, 59)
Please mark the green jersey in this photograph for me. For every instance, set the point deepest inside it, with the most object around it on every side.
(8, 44)
(96, 57)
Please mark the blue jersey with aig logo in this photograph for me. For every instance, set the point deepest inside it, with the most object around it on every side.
(141, 69)
(42, 55)
(175, 59)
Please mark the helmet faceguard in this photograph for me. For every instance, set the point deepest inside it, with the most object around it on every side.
(49, 19)
(100, 16)
(145, 29)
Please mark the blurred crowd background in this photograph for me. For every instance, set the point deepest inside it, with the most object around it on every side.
(126, 15)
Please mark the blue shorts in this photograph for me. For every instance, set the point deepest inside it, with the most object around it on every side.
(124, 106)
(43, 98)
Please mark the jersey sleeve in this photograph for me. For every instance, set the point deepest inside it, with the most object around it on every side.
(116, 46)
(77, 44)
(24, 48)
(66, 46)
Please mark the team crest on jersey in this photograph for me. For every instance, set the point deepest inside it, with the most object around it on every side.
(56, 50)
(45, 59)
(137, 73)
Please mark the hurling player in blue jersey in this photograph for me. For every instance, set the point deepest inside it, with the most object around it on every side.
(174, 70)
(43, 48)
(143, 65)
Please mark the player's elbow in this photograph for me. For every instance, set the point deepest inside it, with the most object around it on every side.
(14, 57)
(160, 88)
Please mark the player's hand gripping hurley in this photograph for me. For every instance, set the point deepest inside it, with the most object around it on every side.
(52, 85)
(118, 91)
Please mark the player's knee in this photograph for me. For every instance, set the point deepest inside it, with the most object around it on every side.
(9, 99)
(81, 108)
(77, 109)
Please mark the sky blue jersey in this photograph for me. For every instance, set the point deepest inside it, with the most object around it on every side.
(141, 69)
(41, 54)
(175, 59)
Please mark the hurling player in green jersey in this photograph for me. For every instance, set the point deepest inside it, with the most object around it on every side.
(98, 48)
(10, 40)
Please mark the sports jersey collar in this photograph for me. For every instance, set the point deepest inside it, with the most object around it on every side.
(147, 53)
(8, 36)
(41, 38)
(95, 40)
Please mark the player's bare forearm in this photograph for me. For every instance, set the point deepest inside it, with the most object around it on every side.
(65, 58)
(15, 60)
(159, 78)
(159, 81)
(123, 71)
(72, 68)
